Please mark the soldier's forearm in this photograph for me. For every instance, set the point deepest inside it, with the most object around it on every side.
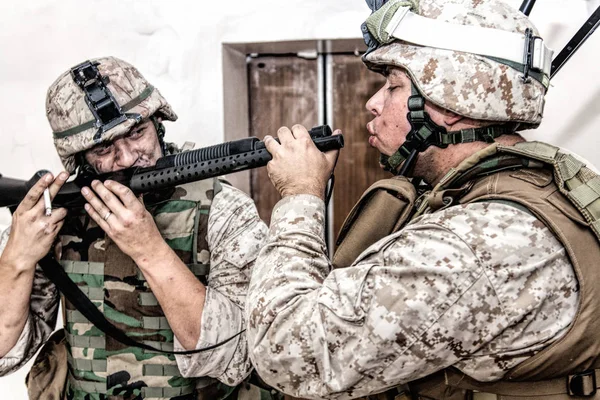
(15, 291)
(180, 294)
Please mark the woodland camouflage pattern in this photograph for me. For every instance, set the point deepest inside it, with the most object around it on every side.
(233, 226)
(66, 107)
(468, 84)
(481, 287)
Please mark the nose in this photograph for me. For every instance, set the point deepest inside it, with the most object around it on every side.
(373, 105)
(126, 156)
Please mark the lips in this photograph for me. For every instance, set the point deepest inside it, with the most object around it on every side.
(372, 133)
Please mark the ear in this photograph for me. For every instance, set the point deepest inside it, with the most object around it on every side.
(451, 118)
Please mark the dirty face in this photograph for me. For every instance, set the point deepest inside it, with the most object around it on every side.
(140, 147)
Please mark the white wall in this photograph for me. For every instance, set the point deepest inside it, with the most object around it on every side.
(177, 46)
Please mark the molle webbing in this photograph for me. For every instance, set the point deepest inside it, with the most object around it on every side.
(576, 181)
(101, 367)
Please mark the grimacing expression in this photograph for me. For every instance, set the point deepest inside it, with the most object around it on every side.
(389, 106)
(139, 147)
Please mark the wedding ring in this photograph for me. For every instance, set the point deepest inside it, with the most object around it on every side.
(108, 214)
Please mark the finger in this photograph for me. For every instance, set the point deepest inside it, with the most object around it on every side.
(57, 227)
(34, 195)
(108, 197)
(95, 202)
(333, 155)
(285, 135)
(271, 144)
(300, 132)
(96, 217)
(125, 194)
(58, 215)
(58, 183)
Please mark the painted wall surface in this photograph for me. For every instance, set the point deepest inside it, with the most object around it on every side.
(177, 46)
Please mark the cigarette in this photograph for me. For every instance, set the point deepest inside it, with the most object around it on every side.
(47, 202)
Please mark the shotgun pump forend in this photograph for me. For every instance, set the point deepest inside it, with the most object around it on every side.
(171, 170)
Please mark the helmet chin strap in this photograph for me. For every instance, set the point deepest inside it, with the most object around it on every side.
(424, 133)
(160, 132)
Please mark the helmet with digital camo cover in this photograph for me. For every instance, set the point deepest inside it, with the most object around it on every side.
(480, 59)
(98, 101)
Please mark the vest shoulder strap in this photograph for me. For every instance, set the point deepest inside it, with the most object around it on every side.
(580, 184)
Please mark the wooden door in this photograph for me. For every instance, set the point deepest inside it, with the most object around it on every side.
(358, 166)
(283, 91)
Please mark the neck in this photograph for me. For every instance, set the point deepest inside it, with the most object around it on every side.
(435, 162)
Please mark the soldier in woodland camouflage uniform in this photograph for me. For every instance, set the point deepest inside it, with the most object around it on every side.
(142, 266)
(475, 289)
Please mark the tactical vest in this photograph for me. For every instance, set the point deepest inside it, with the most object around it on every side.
(565, 195)
(103, 368)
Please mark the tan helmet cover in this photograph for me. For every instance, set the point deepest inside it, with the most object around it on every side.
(468, 84)
(72, 121)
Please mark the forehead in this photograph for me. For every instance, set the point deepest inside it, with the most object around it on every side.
(395, 73)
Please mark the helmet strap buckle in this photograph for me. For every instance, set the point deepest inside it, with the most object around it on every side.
(528, 55)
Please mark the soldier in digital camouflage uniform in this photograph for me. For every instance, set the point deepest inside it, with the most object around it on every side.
(471, 290)
(142, 266)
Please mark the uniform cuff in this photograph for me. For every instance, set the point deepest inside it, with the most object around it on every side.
(221, 319)
(19, 350)
(302, 212)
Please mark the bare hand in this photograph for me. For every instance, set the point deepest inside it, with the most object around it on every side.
(32, 232)
(124, 218)
(298, 166)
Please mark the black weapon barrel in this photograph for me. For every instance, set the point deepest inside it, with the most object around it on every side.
(12, 191)
(155, 179)
(169, 171)
(226, 149)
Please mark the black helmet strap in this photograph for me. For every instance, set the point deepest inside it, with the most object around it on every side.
(424, 133)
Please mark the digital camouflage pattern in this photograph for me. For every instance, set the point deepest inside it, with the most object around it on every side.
(114, 283)
(480, 287)
(66, 108)
(467, 84)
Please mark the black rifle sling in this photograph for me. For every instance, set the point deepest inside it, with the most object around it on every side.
(55, 272)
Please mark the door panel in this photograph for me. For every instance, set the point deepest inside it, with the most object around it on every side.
(283, 91)
(358, 165)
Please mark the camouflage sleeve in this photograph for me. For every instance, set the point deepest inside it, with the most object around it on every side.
(235, 236)
(40, 323)
(479, 287)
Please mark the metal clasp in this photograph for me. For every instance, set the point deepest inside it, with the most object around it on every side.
(582, 385)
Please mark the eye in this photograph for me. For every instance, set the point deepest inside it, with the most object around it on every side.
(392, 88)
(102, 149)
(137, 132)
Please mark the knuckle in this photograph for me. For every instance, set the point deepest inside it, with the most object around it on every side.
(127, 222)
(32, 196)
